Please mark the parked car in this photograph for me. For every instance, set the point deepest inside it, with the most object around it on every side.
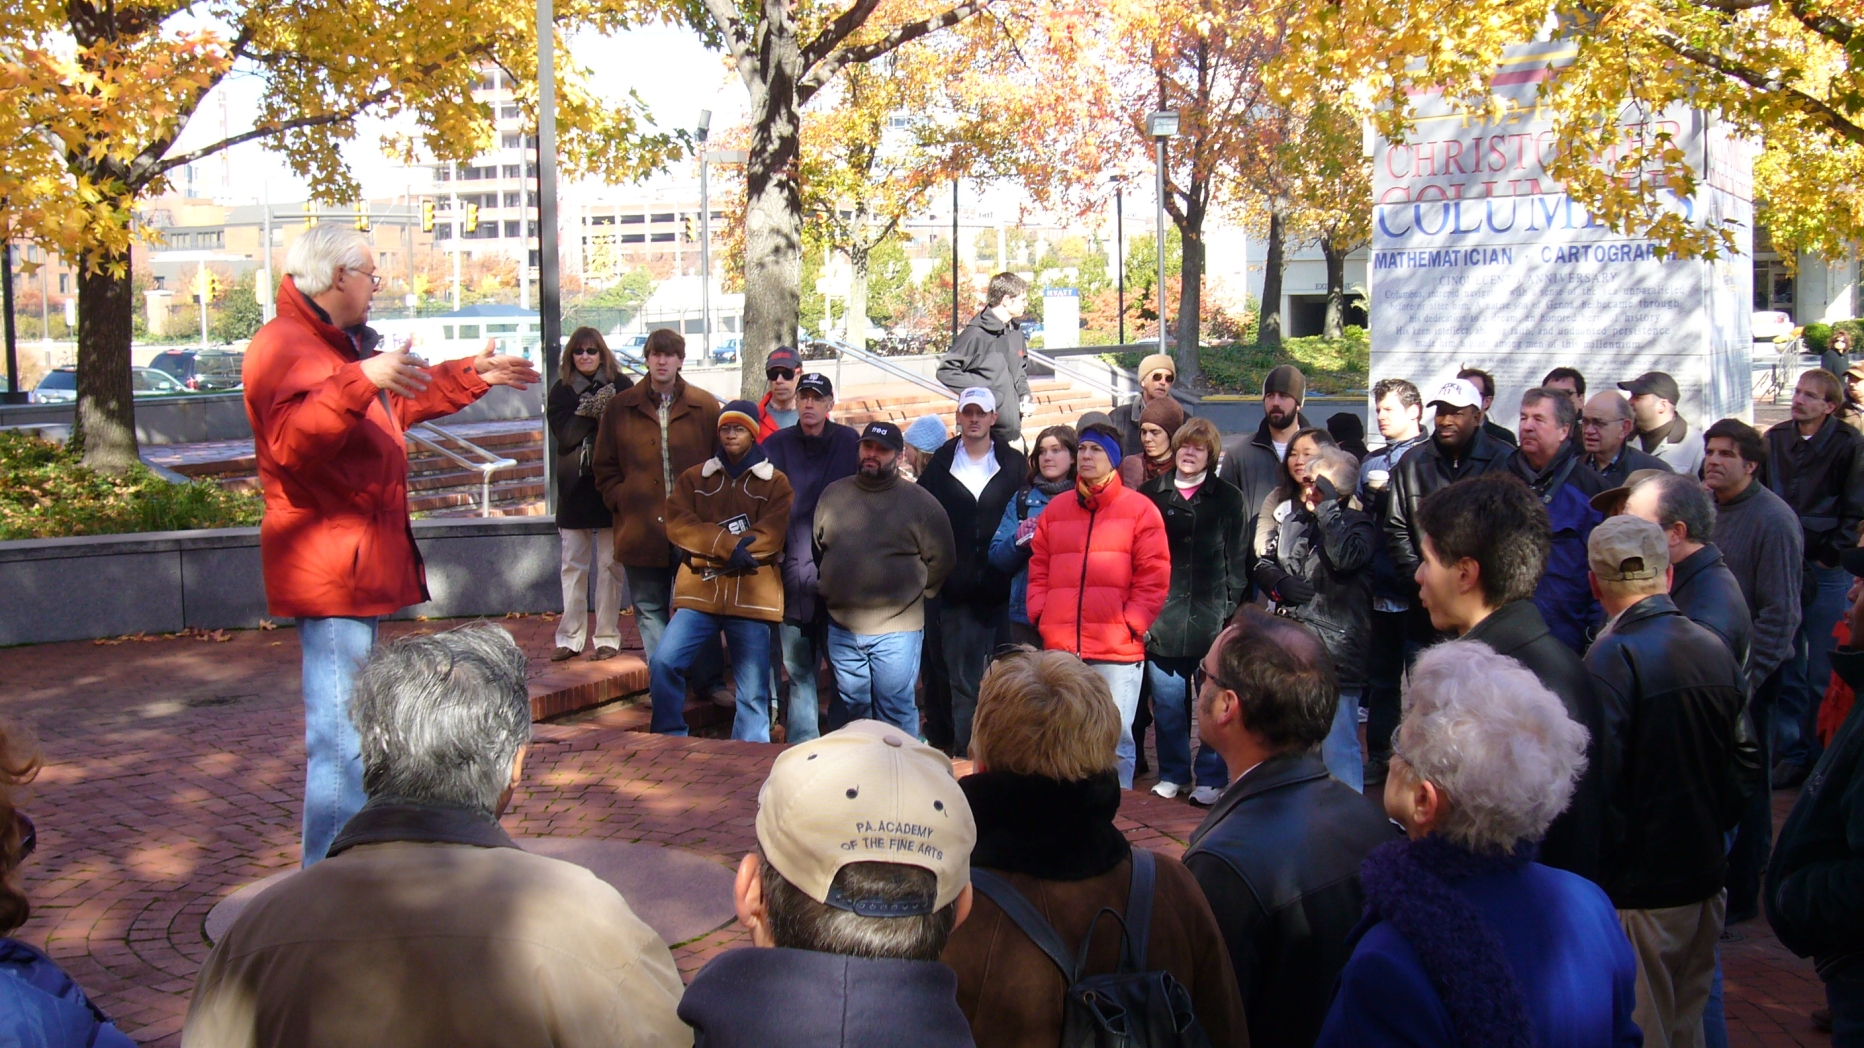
(60, 385)
(205, 371)
(726, 351)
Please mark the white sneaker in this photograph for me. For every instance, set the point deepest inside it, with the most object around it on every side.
(1205, 796)
(1167, 790)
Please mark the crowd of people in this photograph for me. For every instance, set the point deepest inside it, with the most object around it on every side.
(1487, 719)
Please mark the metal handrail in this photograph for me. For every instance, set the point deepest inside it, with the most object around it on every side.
(487, 465)
(888, 366)
(1119, 396)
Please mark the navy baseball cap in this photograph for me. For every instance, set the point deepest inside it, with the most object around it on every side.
(817, 383)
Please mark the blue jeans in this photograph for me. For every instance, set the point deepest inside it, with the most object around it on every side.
(1340, 752)
(803, 645)
(334, 649)
(1123, 680)
(1821, 604)
(651, 589)
(1171, 723)
(680, 645)
(875, 674)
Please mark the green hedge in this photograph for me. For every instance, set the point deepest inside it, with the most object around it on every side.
(45, 493)
(1332, 365)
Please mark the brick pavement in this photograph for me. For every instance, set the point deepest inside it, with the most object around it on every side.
(174, 769)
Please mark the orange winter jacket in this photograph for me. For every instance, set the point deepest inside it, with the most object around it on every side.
(335, 539)
(1099, 573)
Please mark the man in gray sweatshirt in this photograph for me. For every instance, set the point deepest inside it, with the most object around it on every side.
(1763, 544)
(883, 545)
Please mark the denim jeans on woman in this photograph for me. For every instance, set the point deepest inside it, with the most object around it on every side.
(1123, 680)
(1172, 703)
(334, 649)
(1340, 753)
(687, 634)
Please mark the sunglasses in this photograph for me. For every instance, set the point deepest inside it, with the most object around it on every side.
(585, 351)
(780, 373)
(1201, 675)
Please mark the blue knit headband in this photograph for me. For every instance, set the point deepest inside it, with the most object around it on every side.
(1107, 444)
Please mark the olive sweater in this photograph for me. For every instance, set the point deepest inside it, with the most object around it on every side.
(882, 547)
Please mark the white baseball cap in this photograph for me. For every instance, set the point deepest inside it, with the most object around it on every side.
(979, 395)
(1458, 393)
(868, 792)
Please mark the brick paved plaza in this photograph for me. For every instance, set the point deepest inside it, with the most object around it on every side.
(174, 772)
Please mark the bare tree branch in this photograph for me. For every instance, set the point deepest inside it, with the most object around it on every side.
(840, 29)
(825, 70)
(1825, 25)
(732, 29)
(1814, 107)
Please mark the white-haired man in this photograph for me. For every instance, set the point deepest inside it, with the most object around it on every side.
(327, 413)
(427, 926)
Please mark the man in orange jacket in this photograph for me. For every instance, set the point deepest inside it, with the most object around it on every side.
(337, 551)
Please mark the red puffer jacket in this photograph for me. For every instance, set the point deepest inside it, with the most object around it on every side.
(1099, 574)
(335, 538)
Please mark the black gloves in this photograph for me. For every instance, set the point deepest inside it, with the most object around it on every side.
(741, 559)
(1292, 589)
(1327, 491)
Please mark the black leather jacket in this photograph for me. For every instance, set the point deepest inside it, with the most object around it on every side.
(1823, 480)
(1707, 592)
(1278, 857)
(1422, 471)
(1815, 883)
(1517, 630)
(1331, 550)
(1671, 695)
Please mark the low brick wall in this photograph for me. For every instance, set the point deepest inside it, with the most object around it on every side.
(163, 582)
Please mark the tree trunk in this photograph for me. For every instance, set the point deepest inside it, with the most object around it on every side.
(773, 256)
(1190, 304)
(1269, 324)
(104, 422)
(856, 324)
(1336, 288)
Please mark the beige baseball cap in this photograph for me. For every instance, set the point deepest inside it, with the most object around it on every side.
(868, 792)
(1628, 549)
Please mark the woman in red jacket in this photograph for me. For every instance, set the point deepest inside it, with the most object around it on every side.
(1098, 575)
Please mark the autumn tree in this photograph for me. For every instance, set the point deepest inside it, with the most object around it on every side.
(1328, 185)
(95, 94)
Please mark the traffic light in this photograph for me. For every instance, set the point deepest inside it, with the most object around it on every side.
(362, 218)
(692, 229)
(206, 286)
(472, 218)
(427, 216)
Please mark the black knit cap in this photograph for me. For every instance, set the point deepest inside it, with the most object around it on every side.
(1286, 379)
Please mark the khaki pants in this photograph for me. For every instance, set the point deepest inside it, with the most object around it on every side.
(586, 553)
(1675, 949)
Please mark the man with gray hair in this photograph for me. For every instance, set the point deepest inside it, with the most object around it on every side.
(1672, 694)
(1703, 588)
(1547, 464)
(327, 413)
(427, 926)
(1606, 426)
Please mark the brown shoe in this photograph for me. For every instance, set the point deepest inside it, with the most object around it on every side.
(604, 652)
(563, 654)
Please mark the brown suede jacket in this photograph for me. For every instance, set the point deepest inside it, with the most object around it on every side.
(707, 504)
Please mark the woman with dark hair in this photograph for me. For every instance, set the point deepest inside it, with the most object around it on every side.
(1051, 472)
(586, 378)
(39, 1004)
(1158, 423)
(1206, 526)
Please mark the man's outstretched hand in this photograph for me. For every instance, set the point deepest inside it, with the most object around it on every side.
(502, 369)
(397, 370)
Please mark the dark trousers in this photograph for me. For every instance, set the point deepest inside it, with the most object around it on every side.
(1397, 637)
(934, 683)
(968, 637)
(1844, 995)
(1024, 633)
(1747, 858)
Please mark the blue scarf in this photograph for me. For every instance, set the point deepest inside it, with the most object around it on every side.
(1411, 885)
(751, 458)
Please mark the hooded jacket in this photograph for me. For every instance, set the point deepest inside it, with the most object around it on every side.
(1099, 571)
(989, 353)
(336, 538)
(636, 464)
(1329, 548)
(811, 464)
(708, 515)
(974, 581)
(1823, 480)
(1426, 469)
(773, 997)
(1209, 564)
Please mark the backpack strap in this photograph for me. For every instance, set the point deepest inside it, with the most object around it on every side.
(1139, 908)
(1018, 908)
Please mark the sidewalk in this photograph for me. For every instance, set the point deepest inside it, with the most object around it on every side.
(174, 772)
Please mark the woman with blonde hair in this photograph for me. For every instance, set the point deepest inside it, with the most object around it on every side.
(39, 1004)
(1044, 795)
(586, 378)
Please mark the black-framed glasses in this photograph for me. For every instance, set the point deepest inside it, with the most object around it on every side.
(1201, 675)
(780, 373)
(28, 836)
(585, 351)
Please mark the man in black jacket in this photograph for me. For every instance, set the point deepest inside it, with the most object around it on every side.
(1704, 590)
(1815, 884)
(1605, 427)
(814, 453)
(1253, 464)
(1278, 856)
(974, 476)
(1815, 463)
(1671, 693)
(1457, 449)
(1485, 384)
(990, 352)
(1486, 541)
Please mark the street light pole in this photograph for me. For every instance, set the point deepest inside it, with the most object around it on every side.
(1162, 125)
(705, 237)
(954, 262)
(549, 287)
(14, 395)
(1119, 248)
